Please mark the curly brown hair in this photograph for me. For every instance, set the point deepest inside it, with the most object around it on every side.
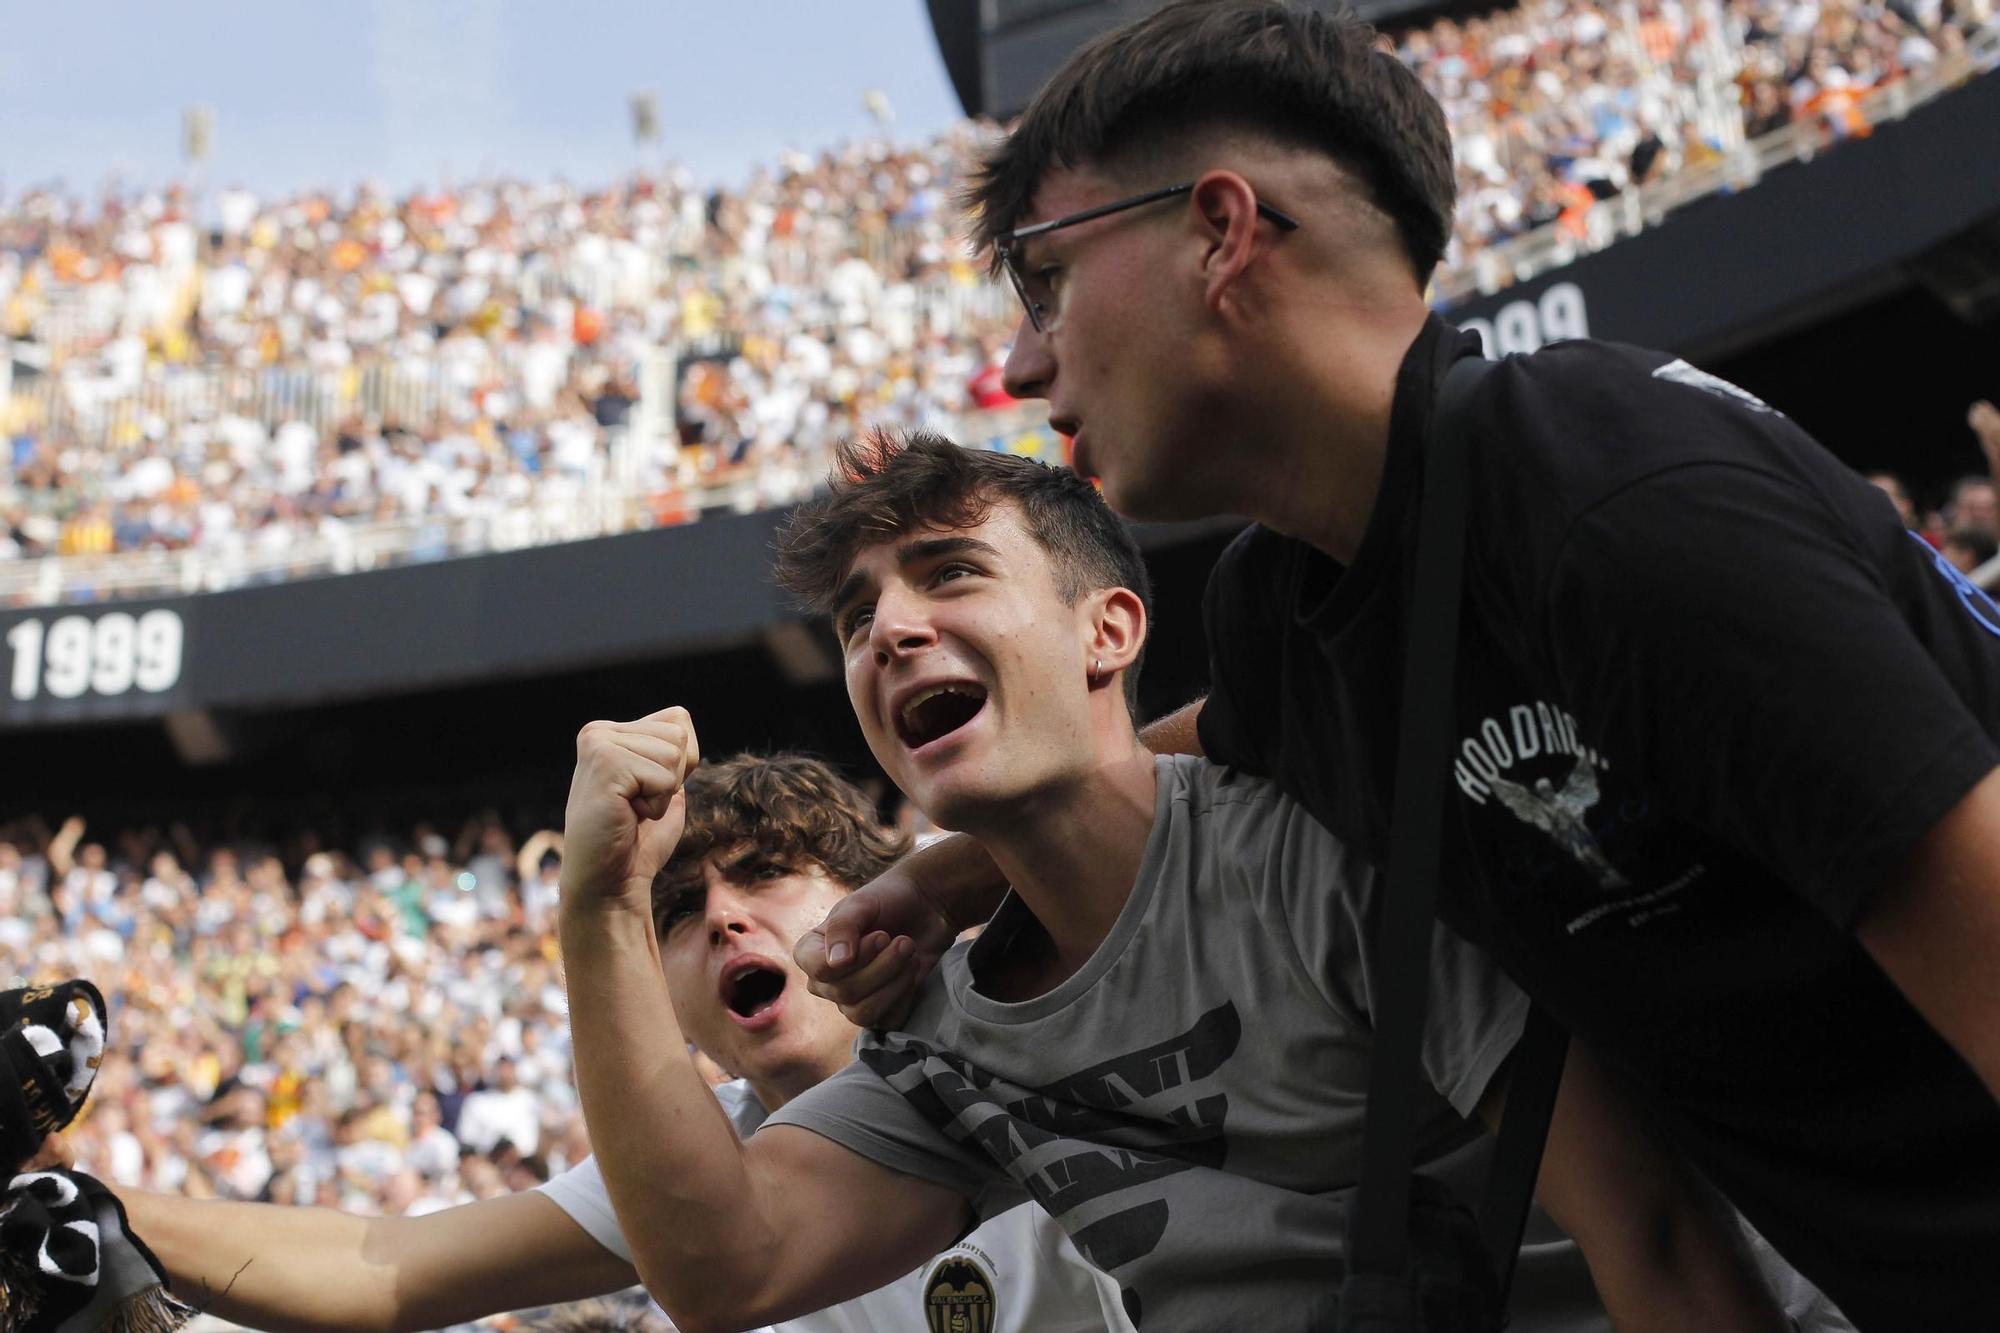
(788, 812)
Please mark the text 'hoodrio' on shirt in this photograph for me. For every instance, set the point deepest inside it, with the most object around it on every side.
(1710, 693)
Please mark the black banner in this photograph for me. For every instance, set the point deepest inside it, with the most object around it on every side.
(612, 599)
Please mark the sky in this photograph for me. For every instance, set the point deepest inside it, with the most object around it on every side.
(330, 93)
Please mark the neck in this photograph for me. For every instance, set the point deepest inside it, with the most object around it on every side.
(773, 1090)
(1072, 854)
(1325, 430)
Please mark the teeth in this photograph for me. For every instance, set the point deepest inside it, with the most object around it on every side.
(922, 697)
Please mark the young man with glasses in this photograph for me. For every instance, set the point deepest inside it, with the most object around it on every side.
(1724, 795)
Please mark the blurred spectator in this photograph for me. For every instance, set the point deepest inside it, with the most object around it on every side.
(1892, 486)
(1970, 547)
(501, 1112)
(309, 1037)
(1973, 506)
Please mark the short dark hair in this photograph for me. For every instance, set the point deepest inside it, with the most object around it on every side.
(885, 484)
(792, 810)
(1305, 78)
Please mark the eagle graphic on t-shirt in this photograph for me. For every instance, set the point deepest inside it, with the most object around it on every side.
(1560, 815)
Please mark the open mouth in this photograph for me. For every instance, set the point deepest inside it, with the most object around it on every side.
(933, 713)
(751, 990)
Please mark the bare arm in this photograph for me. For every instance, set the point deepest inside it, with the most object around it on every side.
(62, 847)
(528, 861)
(724, 1234)
(1984, 418)
(1936, 929)
(313, 1270)
(1664, 1250)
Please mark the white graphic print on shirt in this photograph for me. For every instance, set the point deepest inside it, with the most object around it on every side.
(1530, 762)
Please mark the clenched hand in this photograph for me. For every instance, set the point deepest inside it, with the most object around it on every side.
(626, 808)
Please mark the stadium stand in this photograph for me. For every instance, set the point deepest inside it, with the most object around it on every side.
(265, 1048)
(320, 385)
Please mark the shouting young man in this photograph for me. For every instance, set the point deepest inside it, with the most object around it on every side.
(1725, 794)
(1162, 1037)
(770, 844)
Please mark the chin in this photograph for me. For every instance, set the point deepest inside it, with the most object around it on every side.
(958, 810)
(1150, 499)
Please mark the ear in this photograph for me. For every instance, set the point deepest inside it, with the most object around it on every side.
(1114, 633)
(1224, 208)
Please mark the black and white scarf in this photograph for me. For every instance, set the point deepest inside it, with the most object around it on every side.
(69, 1261)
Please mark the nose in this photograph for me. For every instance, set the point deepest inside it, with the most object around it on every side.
(726, 913)
(900, 625)
(1031, 365)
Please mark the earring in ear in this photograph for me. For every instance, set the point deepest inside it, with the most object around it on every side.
(1096, 666)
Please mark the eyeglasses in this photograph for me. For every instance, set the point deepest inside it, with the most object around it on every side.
(1041, 307)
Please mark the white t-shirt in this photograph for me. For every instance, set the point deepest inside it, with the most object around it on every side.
(1014, 1273)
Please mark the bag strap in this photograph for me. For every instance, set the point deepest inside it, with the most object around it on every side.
(1379, 1233)
(1534, 1072)
(1379, 1229)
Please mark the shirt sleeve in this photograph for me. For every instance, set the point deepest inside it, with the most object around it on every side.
(1724, 634)
(858, 1110)
(580, 1192)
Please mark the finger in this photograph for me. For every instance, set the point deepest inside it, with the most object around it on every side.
(890, 1006)
(875, 967)
(55, 1153)
(663, 834)
(839, 985)
(843, 928)
(809, 952)
(647, 787)
(875, 963)
(678, 717)
(668, 752)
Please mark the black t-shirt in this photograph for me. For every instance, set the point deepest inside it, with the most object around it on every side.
(1710, 693)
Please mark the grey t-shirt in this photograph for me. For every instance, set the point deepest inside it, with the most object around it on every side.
(1188, 1106)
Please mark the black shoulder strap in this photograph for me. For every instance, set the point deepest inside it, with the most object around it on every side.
(1378, 1231)
(1379, 1227)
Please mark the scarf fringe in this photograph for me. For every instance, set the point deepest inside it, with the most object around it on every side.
(151, 1310)
(20, 1294)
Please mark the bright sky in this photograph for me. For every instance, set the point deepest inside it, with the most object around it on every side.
(412, 92)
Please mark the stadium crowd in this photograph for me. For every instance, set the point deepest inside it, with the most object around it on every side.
(488, 342)
(1556, 104)
(383, 1032)
(310, 365)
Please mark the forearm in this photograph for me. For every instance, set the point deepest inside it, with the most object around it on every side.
(673, 1166)
(317, 1271)
(1696, 1271)
(958, 877)
(1664, 1249)
(1935, 928)
(1176, 733)
(267, 1266)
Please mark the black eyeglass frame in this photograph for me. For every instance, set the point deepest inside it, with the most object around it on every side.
(1004, 243)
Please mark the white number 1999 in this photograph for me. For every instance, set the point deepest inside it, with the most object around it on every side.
(108, 655)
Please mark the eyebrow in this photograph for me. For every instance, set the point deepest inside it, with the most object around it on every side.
(910, 553)
(749, 857)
